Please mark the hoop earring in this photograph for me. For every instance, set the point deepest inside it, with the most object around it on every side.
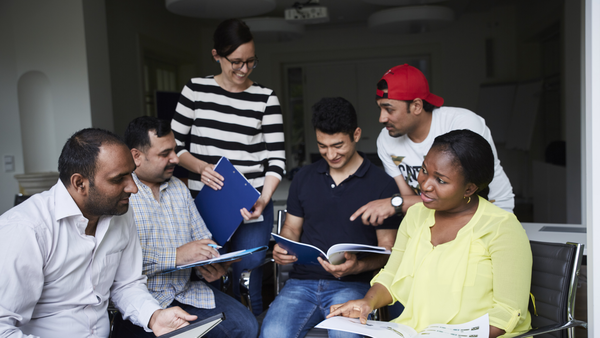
(468, 201)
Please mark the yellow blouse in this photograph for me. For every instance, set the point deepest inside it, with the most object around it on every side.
(486, 269)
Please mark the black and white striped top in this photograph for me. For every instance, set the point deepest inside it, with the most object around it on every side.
(245, 127)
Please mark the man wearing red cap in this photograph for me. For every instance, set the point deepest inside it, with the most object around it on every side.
(413, 118)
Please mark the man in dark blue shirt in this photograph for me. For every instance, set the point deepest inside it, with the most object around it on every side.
(321, 200)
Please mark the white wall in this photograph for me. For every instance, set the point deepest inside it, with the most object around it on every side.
(10, 131)
(138, 27)
(50, 38)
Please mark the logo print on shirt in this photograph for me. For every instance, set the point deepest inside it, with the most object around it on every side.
(397, 159)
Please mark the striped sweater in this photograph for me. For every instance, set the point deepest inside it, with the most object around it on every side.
(245, 127)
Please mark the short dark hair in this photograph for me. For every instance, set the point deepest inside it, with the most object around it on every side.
(428, 107)
(136, 134)
(229, 35)
(333, 115)
(474, 155)
(80, 153)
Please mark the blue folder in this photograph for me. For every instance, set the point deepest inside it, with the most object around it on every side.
(230, 256)
(220, 209)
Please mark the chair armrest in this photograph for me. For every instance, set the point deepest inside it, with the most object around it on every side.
(245, 283)
(552, 328)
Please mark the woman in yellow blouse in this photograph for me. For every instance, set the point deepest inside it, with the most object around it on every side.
(456, 255)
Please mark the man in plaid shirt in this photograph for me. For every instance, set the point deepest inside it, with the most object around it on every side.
(172, 233)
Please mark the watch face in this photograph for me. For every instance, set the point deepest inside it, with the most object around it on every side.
(397, 201)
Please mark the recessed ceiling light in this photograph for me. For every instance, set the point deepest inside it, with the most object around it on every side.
(410, 19)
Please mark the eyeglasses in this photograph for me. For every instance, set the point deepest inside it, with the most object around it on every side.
(237, 65)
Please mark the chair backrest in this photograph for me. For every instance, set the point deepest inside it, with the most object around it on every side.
(554, 283)
(282, 272)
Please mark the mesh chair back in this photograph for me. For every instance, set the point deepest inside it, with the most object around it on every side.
(552, 275)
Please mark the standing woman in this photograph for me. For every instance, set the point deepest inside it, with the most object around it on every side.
(230, 115)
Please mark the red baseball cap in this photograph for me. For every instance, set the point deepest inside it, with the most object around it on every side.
(407, 83)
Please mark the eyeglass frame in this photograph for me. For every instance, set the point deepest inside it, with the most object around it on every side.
(243, 62)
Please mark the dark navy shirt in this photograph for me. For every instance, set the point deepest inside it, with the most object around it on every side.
(326, 209)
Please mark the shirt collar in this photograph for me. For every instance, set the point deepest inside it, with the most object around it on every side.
(146, 189)
(64, 204)
(323, 167)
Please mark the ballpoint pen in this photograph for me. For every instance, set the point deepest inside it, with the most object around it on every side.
(214, 246)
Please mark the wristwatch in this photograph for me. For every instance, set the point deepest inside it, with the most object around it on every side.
(397, 202)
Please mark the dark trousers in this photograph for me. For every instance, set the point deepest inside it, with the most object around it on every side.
(239, 322)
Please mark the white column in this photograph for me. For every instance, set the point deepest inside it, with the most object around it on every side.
(591, 148)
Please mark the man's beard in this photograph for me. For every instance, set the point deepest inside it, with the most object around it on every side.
(395, 134)
(100, 205)
(168, 178)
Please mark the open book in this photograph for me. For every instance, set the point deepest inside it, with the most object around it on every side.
(478, 328)
(231, 256)
(307, 254)
(197, 329)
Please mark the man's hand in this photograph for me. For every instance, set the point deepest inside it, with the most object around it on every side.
(281, 257)
(349, 267)
(375, 212)
(166, 320)
(196, 251)
(212, 272)
(256, 209)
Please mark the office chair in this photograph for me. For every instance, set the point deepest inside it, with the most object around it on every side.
(554, 280)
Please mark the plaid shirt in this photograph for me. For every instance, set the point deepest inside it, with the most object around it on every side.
(163, 227)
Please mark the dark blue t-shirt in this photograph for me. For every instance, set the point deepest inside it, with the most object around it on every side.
(326, 209)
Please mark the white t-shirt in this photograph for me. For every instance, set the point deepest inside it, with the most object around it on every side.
(401, 156)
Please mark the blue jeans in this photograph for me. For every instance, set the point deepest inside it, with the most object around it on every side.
(302, 304)
(245, 237)
(239, 322)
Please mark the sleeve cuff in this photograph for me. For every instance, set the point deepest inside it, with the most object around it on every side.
(381, 279)
(146, 312)
(179, 153)
(505, 319)
(272, 173)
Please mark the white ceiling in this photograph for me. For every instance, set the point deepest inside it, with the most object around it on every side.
(358, 11)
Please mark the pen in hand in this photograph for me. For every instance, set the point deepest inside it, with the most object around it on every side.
(214, 246)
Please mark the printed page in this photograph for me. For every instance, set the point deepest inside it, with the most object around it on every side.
(336, 252)
(371, 329)
(478, 328)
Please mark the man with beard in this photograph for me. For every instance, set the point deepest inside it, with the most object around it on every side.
(66, 251)
(413, 117)
(172, 233)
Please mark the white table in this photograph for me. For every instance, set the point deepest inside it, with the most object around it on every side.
(556, 233)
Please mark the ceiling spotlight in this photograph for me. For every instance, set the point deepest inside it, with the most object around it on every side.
(307, 13)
